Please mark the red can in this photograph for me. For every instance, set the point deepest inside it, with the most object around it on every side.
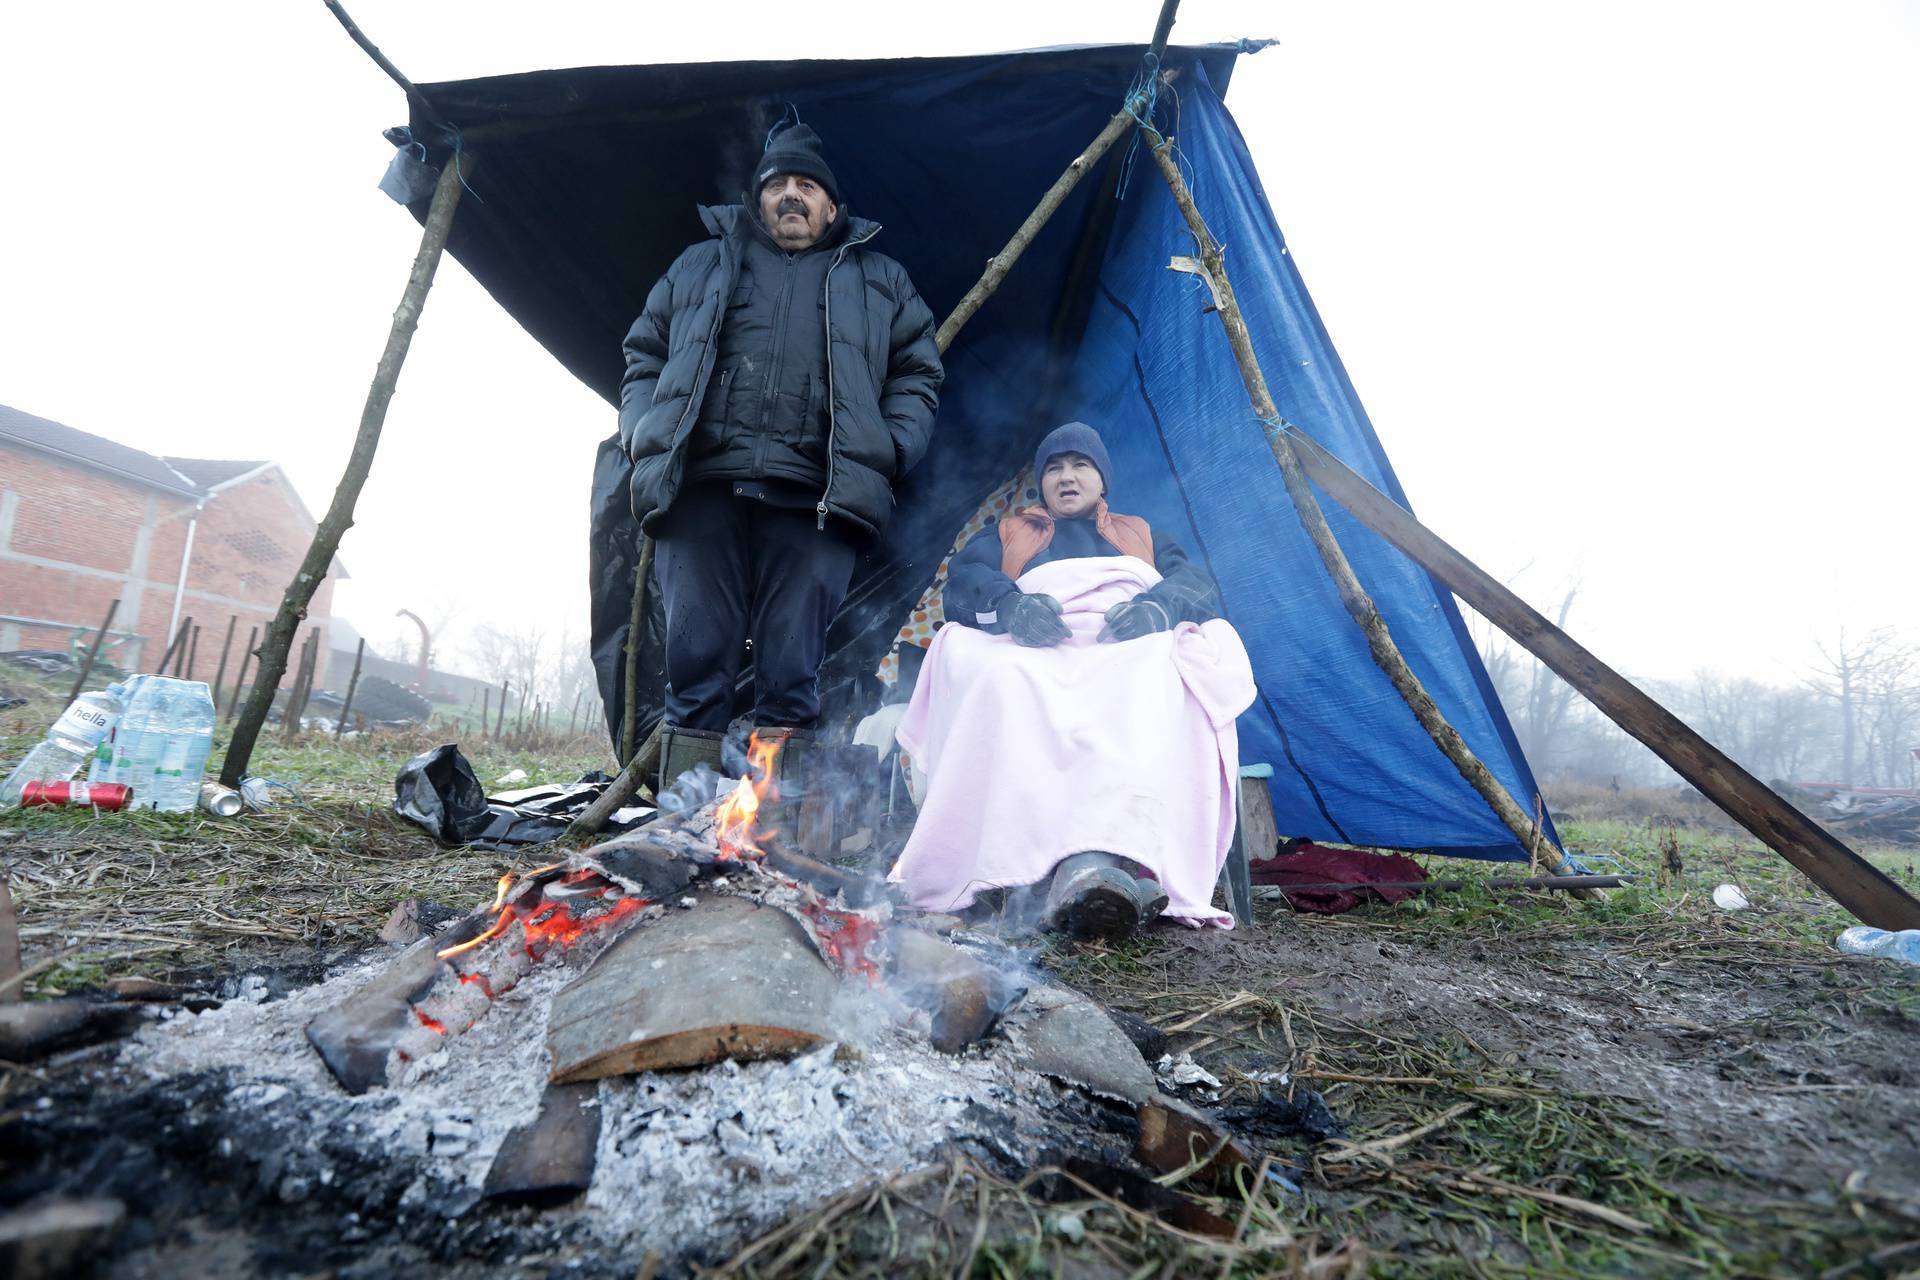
(76, 795)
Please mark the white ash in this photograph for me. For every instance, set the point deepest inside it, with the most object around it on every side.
(691, 1163)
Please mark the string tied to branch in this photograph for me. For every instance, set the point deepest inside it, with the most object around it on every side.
(1143, 95)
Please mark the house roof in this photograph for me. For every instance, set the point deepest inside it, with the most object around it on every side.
(213, 473)
(196, 478)
(98, 452)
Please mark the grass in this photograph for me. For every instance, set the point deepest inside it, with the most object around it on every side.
(102, 895)
(1464, 1158)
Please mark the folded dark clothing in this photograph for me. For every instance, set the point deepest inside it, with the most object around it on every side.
(1312, 864)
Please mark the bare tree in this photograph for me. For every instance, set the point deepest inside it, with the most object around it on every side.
(1850, 667)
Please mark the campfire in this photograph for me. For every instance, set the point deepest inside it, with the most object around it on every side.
(694, 1013)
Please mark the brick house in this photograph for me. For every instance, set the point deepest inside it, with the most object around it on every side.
(84, 520)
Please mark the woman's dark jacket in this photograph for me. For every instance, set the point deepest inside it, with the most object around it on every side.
(880, 386)
(975, 584)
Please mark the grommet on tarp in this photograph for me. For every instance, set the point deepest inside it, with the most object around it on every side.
(409, 178)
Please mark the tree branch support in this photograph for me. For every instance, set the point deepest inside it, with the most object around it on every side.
(278, 642)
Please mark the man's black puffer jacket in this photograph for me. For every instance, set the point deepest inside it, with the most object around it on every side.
(883, 369)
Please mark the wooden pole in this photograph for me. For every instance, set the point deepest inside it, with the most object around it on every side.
(174, 646)
(326, 539)
(353, 682)
(1854, 883)
(1386, 654)
(93, 652)
(486, 705)
(500, 716)
(1001, 263)
(636, 626)
(193, 649)
(246, 660)
(621, 789)
(226, 647)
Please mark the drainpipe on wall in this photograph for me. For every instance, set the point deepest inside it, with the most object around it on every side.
(186, 558)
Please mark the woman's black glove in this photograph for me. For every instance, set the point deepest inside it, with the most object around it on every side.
(1131, 619)
(1032, 620)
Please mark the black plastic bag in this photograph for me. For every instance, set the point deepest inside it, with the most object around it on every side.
(438, 790)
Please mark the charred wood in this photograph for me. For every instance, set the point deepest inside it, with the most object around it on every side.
(550, 1160)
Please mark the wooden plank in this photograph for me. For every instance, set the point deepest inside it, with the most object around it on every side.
(1855, 883)
(726, 979)
(550, 1160)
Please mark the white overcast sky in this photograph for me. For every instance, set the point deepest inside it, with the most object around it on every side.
(1631, 290)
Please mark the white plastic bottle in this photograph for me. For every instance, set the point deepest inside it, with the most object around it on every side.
(1862, 940)
(69, 744)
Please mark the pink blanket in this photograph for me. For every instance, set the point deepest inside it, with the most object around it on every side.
(1035, 754)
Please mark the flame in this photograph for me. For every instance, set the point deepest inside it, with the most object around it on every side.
(430, 1022)
(548, 924)
(736, 828)
(494, 930)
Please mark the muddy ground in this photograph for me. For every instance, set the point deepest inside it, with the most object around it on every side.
(1641, 1086)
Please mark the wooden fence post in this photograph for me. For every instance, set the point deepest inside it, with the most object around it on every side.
(220, 672)
(93, 652)
(246, 660)
(353, 682)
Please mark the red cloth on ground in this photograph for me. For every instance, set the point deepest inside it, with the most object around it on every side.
(1317, 864)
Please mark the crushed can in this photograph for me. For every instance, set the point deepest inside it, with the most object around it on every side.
(77, 795)
(221, 802)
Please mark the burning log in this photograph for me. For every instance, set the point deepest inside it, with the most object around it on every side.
(441, 985)
(647, 864)
(732, 979)
(551, 1160)
(852, 887)
(357, 1037)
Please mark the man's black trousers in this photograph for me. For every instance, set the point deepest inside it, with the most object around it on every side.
(733, 569)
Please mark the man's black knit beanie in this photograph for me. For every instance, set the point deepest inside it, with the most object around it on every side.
(795, 149)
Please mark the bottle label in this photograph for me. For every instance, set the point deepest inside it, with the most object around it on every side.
(82, 722)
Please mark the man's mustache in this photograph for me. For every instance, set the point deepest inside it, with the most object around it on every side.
(792, 204)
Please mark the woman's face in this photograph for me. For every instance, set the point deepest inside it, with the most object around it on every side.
(1071, 485)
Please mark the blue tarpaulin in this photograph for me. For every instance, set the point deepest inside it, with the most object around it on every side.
(587, 182)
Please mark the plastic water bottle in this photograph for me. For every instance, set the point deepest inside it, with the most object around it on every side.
(128, 762)
(183, 712)
(1861, 940)
(69, 744)
(161, 746)
(102, 767)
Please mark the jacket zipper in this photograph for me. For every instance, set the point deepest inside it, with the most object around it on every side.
(833, 422)
(788, 275)
(700, 381)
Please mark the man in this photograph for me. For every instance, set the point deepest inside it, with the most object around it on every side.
(781, 380)
(1077, 727)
